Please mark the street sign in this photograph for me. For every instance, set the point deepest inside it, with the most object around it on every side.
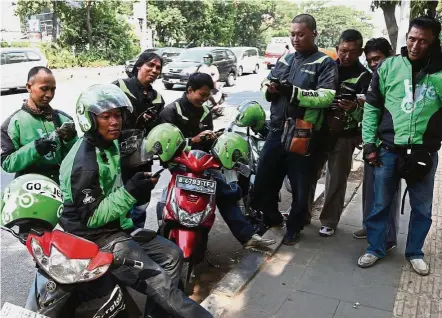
(34, 25)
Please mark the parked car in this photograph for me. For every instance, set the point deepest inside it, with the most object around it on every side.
(167, 53)
(248, 59)
(280, 46)
(16, 64)
(190, 60)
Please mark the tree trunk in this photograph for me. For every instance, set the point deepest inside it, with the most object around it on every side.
(89, 25)
(390, 21)
(54, 22)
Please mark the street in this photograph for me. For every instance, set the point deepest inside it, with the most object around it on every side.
(17, 267)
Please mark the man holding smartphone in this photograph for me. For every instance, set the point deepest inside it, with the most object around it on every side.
(344, 133)
(299, 88)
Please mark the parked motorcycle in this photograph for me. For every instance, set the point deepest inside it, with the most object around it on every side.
(186, 211)
(72, 278)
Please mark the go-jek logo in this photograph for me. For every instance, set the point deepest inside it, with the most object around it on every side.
(409, 103)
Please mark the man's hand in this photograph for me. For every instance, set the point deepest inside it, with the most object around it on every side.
(347, 105)
(203, 136)
(272, 87)
(140, 184)
(45, 145)
(67, 131)
(371, 155)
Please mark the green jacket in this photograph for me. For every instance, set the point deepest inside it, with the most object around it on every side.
(95, 201)
(399, 112)
(18, 135)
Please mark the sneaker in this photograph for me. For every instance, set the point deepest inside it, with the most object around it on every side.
(420, 266)
(360, 234)
(258, 241)
(367, 260)
(389, 247)
(290, 239)
(326, 231)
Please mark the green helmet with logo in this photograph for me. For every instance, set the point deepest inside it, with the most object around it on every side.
(164, 140)
(31, 199)
(251, 114)
(231, 148)
(97, 99)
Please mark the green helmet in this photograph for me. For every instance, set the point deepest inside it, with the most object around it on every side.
(31, 198)
(251, 114)
(164, 140)
(231, 148)
(97, 99)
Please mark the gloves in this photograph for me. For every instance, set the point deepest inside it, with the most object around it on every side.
(139, 186)
(44, 146)
(371, 154)
(66, 132)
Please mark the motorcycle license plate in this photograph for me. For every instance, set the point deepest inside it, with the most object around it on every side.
(14, 311)
(174, 81)
(196, 185)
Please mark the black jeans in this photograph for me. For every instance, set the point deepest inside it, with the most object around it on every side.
(274, 164)
(160, 275)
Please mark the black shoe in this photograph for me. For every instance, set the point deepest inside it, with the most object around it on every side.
(290, 239)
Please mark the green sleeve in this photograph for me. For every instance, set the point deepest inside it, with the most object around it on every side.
(15, 158)
(374, 106)
(112, 207)
(320, 98)
(357, 114)
(68, 144)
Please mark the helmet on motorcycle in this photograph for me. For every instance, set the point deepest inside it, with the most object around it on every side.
(31, 199)
(230, 148)
(208, 59)
(165, 140)
(97, 99)
(251, 114)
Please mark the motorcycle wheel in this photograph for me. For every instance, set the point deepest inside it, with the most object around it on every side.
(187, 277)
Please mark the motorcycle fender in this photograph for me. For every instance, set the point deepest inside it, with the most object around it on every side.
(47, 297)
(186, 240)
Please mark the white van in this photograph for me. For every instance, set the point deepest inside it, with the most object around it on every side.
(16, 64)
(248, 59)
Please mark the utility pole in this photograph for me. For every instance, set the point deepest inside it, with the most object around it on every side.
(403, 25)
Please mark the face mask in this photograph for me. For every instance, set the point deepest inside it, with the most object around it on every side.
(207, 62)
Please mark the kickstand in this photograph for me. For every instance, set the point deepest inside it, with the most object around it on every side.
(208, 257)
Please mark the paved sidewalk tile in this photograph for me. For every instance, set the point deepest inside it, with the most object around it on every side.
(306, 305)
(350, 310)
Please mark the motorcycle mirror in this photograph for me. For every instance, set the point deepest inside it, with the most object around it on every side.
(244, 170)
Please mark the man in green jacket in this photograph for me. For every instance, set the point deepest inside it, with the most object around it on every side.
(36, 138)
(354, 79)
(97, 204)
(402, 133)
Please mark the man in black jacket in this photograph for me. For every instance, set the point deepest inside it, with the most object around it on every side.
(147, 104)
(195, 122)
(300, 86)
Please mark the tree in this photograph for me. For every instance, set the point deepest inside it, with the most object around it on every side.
(332, 20)
(418, 8)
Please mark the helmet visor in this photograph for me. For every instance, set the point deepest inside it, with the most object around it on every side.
(101, 98)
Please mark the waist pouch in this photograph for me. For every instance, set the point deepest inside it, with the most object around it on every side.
(297, 136)
(414, 166)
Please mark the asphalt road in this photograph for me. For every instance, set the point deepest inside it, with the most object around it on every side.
(17, 268)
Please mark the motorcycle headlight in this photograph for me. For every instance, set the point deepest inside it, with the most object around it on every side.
(189, 219)
(189, 70)
(63, 269)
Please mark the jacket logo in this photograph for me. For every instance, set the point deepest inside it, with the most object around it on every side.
(422, 92)
(88, 198)
(303, 70)
(310, 94)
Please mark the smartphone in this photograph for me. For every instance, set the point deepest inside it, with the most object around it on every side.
(348, 96)
(157, 174)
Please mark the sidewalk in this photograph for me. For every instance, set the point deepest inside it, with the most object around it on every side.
(319, 278)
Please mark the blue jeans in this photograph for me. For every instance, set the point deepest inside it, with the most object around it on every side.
(138, 215)
(227, 196)
(386, 183)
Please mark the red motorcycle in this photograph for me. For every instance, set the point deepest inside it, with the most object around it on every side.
(73, 278)
(186, 212)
